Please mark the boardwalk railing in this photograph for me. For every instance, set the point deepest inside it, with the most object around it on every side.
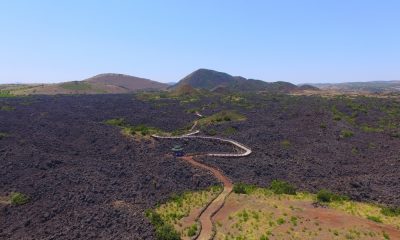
(245, 150)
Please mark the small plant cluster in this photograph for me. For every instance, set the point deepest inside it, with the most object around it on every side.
(346, 133)
(3, 135)
(7, 108)
(164, 231)
(326, 196)
(18, 198)
(192, 230)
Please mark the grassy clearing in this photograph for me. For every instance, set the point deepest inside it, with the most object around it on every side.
(176, 210)
(221, 117)
(141, 130)
(133, 131)
(183, 96)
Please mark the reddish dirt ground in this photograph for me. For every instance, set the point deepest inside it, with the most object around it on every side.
(326, 218)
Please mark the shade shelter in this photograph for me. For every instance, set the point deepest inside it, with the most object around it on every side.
(177, 150)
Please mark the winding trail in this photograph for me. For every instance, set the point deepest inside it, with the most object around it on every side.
(206, 216)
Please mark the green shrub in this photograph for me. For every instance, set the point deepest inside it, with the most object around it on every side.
(192, 230)
(227, 118)
(164, 231)
(326, 196)
(280, 221)
(375, 219)
(346, 133)
(18, 198)
(167, 232)
(391, 211)
(212, 132)
(337, 117)
(285, 143)
(282, 187)
(263, 237)
(242, 188)
(385, 235)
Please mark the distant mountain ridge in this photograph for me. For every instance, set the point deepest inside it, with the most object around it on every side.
(211, 80)
(373, 86)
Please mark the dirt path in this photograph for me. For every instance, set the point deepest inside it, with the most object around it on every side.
(205, 218)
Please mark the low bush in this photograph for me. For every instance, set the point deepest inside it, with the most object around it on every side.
(242, 188)
(282, 187)
(285, 143)
(346, 133)
(167, 232)
(280, 221)
(375, 219)
(18, 198)
(164, 231)
(192, 230)
(326, 196)
(391, 211)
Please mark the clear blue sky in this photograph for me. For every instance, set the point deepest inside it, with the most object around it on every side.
(297, 41)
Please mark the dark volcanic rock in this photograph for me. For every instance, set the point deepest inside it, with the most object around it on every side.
(75, 168)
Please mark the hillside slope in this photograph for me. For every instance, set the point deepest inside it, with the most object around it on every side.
(210, 80)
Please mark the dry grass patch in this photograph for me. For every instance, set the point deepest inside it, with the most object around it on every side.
(182, 210)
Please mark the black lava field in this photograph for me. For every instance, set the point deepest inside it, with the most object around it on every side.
(87, 180)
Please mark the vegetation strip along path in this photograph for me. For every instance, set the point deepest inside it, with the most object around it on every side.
(205, 218)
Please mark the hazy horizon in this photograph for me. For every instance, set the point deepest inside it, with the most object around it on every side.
(299, 42)
(169, 82)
